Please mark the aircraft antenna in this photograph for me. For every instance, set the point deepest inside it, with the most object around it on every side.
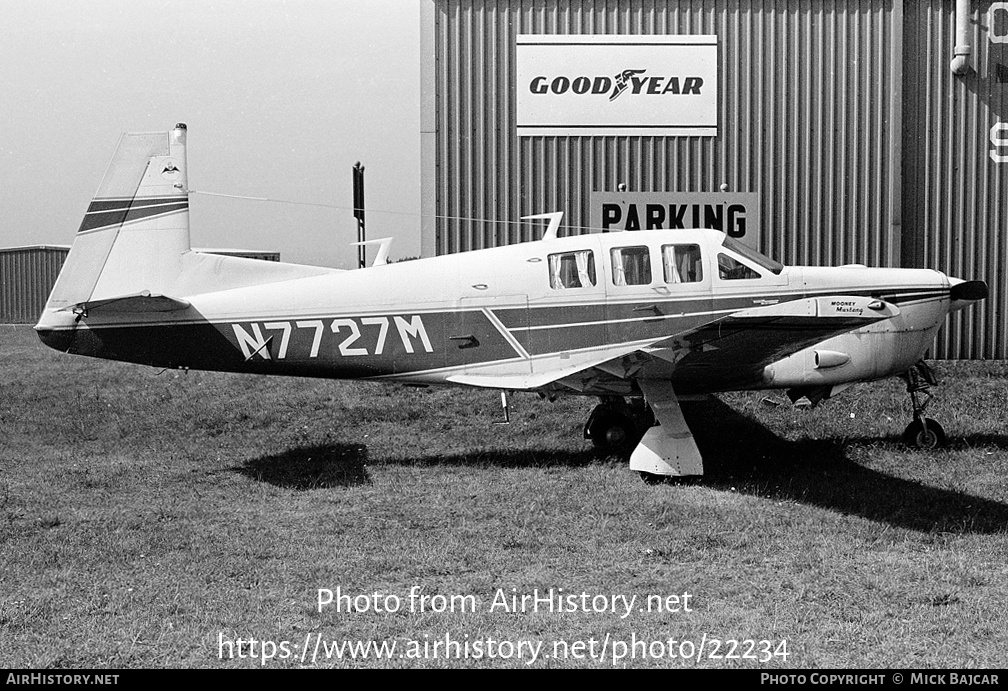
(554, 223)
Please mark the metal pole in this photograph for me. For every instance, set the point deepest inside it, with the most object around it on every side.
(358, 203)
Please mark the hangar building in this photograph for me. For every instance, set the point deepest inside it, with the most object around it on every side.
(841, 131)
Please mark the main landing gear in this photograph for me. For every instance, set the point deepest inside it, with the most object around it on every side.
(923, 432)
(659, 451)
(615, 425)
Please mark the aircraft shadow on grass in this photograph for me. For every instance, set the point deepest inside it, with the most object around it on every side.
(749, 458)
(311, 467)
(818, 472)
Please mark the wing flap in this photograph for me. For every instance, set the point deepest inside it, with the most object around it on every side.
(546, 369)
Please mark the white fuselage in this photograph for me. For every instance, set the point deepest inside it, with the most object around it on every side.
(513, 316)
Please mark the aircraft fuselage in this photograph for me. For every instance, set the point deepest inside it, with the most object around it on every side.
(501, 311)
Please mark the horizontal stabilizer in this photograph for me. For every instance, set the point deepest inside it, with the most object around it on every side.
(142, 302)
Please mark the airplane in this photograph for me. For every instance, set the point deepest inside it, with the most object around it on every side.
(639, 319)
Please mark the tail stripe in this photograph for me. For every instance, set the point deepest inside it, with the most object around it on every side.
(105, 213)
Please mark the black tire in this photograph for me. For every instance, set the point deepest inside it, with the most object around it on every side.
(612, 431)
(928, 439)
(642, 414)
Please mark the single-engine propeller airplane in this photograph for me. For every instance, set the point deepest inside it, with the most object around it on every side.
(655, 315)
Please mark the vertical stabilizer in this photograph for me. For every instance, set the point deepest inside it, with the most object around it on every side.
(137, 227)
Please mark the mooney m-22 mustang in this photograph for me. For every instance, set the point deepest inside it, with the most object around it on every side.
(653, 315)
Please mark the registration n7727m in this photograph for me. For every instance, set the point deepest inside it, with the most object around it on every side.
(356, 336)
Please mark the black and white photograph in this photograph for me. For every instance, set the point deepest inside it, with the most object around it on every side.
(504, 334)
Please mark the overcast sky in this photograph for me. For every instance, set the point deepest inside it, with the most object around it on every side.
(281, 98)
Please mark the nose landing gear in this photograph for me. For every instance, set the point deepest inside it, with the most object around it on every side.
(924, 432)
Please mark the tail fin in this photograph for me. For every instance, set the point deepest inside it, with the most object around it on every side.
(137, 228)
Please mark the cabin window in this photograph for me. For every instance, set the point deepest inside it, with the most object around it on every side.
(631, 266)
(681, 263)
(731, 269)
(572, 269)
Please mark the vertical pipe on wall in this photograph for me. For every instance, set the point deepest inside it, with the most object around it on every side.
(962, 50)
(428, 130)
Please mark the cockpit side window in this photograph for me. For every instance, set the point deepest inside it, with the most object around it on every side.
(682, 263)
(731, 269)
(749, 254)
(572, 269)
(631, 266)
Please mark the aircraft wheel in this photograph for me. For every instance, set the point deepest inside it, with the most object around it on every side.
(917, 436)
(611, 431)
(642, 414)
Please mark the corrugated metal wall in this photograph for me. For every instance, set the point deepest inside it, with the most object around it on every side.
(842, 115)
(27, 275)
(955, 195)
(807, 88)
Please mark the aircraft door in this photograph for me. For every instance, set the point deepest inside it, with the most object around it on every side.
(492, 334)
(567, 309)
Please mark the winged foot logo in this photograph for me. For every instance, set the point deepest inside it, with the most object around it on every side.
(627, 80)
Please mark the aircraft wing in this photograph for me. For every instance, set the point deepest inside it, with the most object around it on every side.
(733, 352)
(732, 348)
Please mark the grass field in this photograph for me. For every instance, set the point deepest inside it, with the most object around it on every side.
(152, 519)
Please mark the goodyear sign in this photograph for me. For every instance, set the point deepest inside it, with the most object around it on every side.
(616, 85)
(734, 213)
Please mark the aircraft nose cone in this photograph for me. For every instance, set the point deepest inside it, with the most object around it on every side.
(970, 290)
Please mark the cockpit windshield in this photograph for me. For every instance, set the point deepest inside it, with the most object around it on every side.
(752, 255)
